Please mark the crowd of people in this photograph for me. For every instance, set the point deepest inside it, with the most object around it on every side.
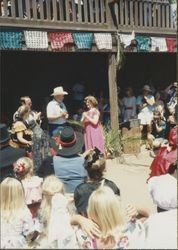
(63, 200)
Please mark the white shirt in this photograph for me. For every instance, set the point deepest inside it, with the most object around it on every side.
(161, 230)
(163, 190)
(55, 108)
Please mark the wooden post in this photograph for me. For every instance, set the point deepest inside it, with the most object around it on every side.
(113, 98)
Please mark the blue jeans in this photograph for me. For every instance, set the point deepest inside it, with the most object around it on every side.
(55, 129)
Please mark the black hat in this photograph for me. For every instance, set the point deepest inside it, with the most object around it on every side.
(70, 142)
(4, 134)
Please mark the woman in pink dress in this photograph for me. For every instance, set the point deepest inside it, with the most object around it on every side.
(93, 133)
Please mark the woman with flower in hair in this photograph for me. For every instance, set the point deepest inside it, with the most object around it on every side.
(93, 133)
(32, 184)
(17, 224)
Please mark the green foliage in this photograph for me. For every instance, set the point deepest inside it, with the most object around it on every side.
(120, 59)
(113, 142)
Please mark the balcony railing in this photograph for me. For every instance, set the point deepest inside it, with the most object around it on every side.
(151, 16)
(148, 16)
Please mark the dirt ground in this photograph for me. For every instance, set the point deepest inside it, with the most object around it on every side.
(130, 173)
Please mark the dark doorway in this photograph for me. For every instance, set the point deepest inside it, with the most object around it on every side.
(37, 73)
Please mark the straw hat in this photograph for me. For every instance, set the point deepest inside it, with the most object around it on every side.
(59, 91)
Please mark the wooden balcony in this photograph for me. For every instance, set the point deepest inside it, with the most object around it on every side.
(151, 16)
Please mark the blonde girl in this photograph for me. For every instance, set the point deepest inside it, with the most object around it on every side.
(54, 216)
(32, 184)
(16, 219)
(105, 210)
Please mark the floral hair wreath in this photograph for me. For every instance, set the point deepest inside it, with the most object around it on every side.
(94, 155)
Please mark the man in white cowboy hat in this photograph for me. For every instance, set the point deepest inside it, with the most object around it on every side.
(56, 111)
(145, 103)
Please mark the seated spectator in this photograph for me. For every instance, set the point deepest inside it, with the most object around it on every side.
(161, 230)
(171, 120)
(163, 189)
(95, 165)
(129, 105)
(56, 221)
(57, 231)
(8, 154)
(17, 225)
(67, 164)
(32, 184)
(104, 209)
(165, 156)
(157, 134)
(21, 133)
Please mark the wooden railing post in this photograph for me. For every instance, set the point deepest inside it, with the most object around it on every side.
(110, 13)
(113, 98)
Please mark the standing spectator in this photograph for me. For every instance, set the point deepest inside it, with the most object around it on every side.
(171, 92)
(145, 103)
(129, 105)
(67, 164)
(93, 133)
(95, 165)
(78, 95)
(56, 111)
(33, 115)
(8, 154)
(17, 224)
(32, 184)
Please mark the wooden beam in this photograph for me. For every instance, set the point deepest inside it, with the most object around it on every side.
(113, 91)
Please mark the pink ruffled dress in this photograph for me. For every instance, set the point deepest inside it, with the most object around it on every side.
(33, 193)
(93, 134)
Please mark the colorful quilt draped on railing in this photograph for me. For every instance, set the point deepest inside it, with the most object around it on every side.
(126, 39)
(158, 44)
(83, 40)
(59, 39)
(103, 41)
(143, 43)
(171, 44)
(11, 40)
(36, 39)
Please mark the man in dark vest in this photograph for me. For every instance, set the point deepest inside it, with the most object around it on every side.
(8, 154)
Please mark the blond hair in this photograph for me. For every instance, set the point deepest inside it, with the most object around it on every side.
(12, 199)
(92, 100)
(24, 167)
(51, 186)
(104, 209)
